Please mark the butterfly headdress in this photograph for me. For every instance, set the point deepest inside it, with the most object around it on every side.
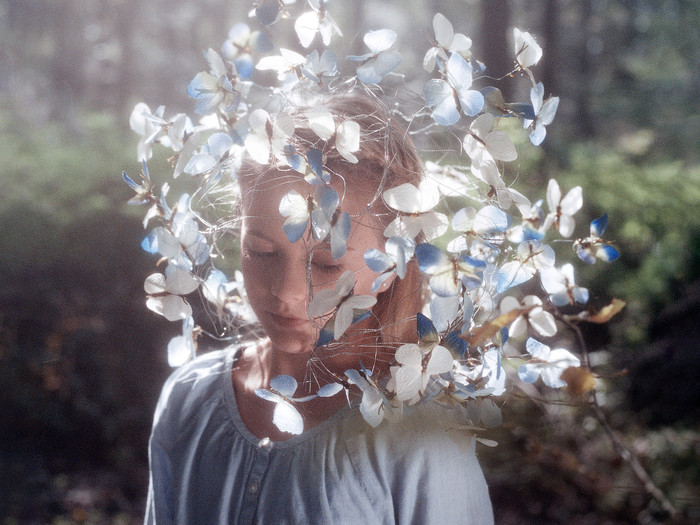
(257, 105)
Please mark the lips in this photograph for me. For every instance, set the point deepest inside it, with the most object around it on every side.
(285, 321)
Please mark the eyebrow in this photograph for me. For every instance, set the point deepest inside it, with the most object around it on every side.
(256, 237)
(257, 233)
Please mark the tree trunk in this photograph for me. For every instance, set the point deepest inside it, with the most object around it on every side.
(493, 48)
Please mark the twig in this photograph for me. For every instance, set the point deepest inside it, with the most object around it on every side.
(625, 453)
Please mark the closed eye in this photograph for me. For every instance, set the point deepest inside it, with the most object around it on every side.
(258, 253)
(327, 267)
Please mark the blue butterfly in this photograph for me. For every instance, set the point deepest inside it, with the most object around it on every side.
(329, 219)
(448, 275)
(144, 189)
(593, 246)
(398, 253)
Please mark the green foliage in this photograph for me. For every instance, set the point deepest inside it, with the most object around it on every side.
(651, 220)
(61, 173)
(72, 319)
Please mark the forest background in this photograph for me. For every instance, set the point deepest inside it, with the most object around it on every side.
(82, 360)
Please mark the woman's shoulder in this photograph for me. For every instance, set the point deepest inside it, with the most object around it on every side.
(426, 456)
(438, 432)
(193, 386)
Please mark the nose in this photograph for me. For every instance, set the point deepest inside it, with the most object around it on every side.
(288, 283)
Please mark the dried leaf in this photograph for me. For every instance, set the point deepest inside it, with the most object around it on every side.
(487, 330)
(603, 315)
(578, 380)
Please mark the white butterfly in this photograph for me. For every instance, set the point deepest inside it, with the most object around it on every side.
(482, 231)
(212, 159)
(561, 287)
(382, 58)
(540, 320)
(447, 42)
(492, 368)
(182, 348)
(318, 20)
(504, 195)
(287, 64)
(285, 416)
(240, 42)
(547, 363)
(444, 310)
(527, 51)
(375, 406)
(482, 144)
(347, 132)
(443, 95)
(297, 209)
(183, 243)
(417, 203)
(166, 293)
(562, 209)
(416, 366)
(154, 129)
(342, 300)
(544, 114)
(531, 256)
(319, 67)
(217, 89)
(268, 136)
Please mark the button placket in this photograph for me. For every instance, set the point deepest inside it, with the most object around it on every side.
(254, 482)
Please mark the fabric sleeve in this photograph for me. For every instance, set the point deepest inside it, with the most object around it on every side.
(160, 503)
(188, 397)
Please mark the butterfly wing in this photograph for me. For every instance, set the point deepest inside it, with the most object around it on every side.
(287, 418)
(439, 95)
(284, 384)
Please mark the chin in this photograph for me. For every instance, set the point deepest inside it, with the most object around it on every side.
(291, 336)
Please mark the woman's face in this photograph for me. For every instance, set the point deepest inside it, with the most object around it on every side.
(278, 273)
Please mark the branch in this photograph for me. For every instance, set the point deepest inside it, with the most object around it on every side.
(625, 453)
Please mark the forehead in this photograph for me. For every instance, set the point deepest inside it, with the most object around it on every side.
(261, 198)
(355, 187)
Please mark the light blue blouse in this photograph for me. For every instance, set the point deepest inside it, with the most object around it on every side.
(206, 467)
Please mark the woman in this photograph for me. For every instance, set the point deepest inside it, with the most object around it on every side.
(216, 455)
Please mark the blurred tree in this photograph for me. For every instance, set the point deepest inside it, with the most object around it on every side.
(494, 47)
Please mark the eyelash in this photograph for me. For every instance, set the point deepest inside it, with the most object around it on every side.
(253, 253)
(327, 268)
(322, 267)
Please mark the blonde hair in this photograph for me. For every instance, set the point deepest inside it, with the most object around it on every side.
(387, 158)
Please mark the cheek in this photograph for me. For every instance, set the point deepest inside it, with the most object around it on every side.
(364, 279)
(255, 276)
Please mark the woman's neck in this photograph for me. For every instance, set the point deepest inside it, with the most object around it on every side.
(254, 369)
